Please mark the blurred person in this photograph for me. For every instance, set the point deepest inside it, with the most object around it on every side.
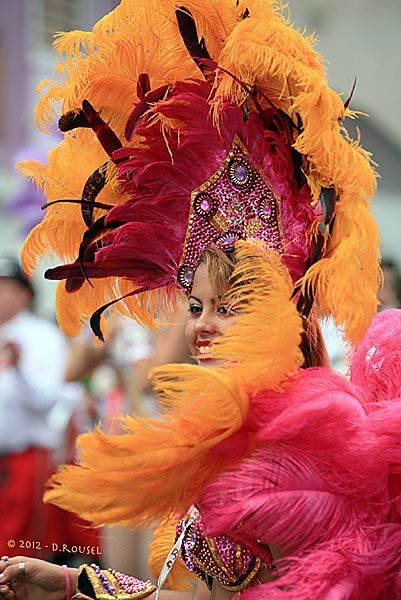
(390, 293)
(32, 397)
(130, 352)
(389, 296)
(338, 349)
(116, 371)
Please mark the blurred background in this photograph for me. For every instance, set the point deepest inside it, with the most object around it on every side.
(83, 383)
(27, 28)
(359, 38)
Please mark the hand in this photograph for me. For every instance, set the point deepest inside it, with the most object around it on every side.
(41, 581)
(10, 355)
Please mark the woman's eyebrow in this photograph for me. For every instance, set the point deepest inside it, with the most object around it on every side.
(212, 300)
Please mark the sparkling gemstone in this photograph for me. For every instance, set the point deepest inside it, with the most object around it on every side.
(205, 205)
(228, 241)
(241, 172)
(188, 276)
(267, 210)
(185, 276)
(238, 173)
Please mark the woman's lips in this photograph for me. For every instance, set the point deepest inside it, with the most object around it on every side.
(204, 349)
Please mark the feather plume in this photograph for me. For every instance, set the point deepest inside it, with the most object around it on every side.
(283, 66)
(168, 460)
(280, 67)
(268, 325)
(326, 416)
(341, 291)
(179, 578)
(64, 221)
(375, 366)
(357, 566)
(280, 497)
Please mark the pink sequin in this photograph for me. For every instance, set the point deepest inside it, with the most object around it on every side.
(219, 557)
(129, 584)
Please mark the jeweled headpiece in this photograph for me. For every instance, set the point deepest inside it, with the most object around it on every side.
(231, 132)
(236, 203)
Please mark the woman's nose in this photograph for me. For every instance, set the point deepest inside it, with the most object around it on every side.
(206, 323)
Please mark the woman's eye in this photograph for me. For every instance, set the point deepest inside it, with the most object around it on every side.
(194, 309)
(223, 309)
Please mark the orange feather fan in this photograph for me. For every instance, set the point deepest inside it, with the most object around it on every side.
(161, 466)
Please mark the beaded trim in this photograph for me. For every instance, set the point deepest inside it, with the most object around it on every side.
(207, 557)
(113, 585)
(234, 587)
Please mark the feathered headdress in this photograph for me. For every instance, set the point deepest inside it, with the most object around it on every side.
(193, 125)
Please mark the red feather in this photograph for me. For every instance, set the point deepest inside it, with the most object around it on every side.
(104, 132)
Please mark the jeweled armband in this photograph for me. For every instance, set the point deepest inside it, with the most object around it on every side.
(102, 584)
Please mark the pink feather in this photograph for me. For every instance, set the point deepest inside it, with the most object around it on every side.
(279, 496)
(324, 415)
(376, 364)
(353, 568)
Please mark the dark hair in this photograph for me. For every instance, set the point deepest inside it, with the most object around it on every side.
(388, 263)
(10, 268)
(312, 344)
(220, 267)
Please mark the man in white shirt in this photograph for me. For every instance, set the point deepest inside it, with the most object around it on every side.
(32, 362)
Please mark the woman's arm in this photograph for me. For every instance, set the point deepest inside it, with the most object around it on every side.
(83, 358)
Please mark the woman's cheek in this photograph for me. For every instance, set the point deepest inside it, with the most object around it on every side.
(225, 324)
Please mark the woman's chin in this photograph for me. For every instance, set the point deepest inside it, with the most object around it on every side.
(208, 361)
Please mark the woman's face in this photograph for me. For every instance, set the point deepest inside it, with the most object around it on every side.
(208, 318)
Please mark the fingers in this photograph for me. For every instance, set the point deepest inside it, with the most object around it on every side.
(4, 560)
(12, 568)
(6, 593)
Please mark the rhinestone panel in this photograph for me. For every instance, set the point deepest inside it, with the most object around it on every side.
(237, 202)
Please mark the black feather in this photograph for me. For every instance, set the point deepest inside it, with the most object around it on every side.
(101, 205)
(92, 188)
(195, 46)
(91, 236)
(73, 119)
(348, 100)
(97, 315)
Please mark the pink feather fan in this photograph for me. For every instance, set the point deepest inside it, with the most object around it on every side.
(333, 545)
(279, 496)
